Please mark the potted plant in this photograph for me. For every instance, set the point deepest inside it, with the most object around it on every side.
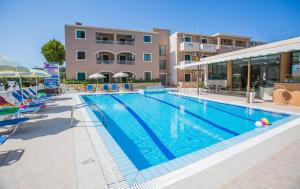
(201, 86)
(252, 95)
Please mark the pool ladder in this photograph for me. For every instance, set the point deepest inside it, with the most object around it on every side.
(93, 106)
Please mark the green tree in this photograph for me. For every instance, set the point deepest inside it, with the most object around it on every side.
(54, 51)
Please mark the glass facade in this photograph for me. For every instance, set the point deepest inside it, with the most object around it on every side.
(264, 72)
(217, 71)
(295, 65)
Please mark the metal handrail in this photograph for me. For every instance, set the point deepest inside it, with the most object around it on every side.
(126, 61)
(105, 61)
(91, 105)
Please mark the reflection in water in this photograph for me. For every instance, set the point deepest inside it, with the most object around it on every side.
(181, 115)
(118, 107)
(174, 121)
(204, 107)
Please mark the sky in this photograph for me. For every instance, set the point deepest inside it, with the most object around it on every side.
(25, 25)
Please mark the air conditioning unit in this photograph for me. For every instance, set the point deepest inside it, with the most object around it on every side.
(194, 54)
(182, 36)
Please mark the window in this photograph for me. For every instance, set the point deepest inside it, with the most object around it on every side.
(217, 71)
(204, 40)
(81, 76)
(188, 39)
(187, 77)
(80, 34)
(187, 57)
(227, 42)
(80, 55)
(162, 64)
(147, 38)
(147, 57)
(295, 65)
(162, 50)
(147, 76)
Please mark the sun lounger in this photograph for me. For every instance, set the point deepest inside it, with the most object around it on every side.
(31, 104)
(90, 88)
(24, 109)
(105, 87)
(114, 87)
(10, 123)
(126, 86)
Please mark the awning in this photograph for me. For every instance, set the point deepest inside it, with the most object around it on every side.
(288, 45)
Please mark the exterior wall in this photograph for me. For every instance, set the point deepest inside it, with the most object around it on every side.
(173, 60)
(229, 74)
(216, 40)
(287, 93)
(92, 48)
(284, 65)
(164, 39)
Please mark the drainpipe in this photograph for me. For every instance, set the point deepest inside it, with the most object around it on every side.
(249, 80)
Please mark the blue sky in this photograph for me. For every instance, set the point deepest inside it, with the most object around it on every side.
(26, 25)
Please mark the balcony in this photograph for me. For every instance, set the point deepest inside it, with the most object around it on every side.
(210, 48)
(225, 48)
(187, 62)
(98, 41)
(126, 58)
(129, 62)
(105, 62)
(189, 46)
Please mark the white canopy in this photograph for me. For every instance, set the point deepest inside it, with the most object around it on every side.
(120, 74)
(262, 50)
(96, 76)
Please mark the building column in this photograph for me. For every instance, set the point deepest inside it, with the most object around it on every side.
(284, 68)
(249, 81)
(229, 74)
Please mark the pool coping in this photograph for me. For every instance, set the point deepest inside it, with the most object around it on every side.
(167, 173)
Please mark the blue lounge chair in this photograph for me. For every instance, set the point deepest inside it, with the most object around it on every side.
(105, 87)
(32, 91)
(90, 88)
(9, 123)
(114, 87)
(32, 104)
(126, 86)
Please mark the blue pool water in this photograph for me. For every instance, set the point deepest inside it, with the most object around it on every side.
(155, 128)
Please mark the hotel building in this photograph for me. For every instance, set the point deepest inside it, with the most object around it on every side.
(140, 54)
(186, 48)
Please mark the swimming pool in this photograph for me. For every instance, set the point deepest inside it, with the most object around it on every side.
(153, 129)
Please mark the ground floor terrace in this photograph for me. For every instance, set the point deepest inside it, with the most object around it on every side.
(48, 152)
(272, 71)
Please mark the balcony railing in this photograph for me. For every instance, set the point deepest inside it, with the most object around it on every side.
(112, 42)
(187, 62)
(189, 46)
(130, 62)
(208, 48)
(125, 42)
(105, 62)
(104, 41)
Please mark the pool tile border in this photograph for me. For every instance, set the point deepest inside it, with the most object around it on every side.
(145, 178)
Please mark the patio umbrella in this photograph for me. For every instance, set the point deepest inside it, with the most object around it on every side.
(13, 69)
(96, 76)
(120, 75)
(35, 73)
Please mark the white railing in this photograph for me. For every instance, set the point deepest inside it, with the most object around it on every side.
(189, 46)
(187, 62)
(112, 42)
(105, 62)
(125, 62)
(208, 48)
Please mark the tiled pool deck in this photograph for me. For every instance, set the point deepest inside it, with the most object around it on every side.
(153, 176)
(47, 153)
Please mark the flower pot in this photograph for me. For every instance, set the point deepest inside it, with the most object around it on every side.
(252, 97)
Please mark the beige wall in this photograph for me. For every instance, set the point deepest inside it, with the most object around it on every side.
(89, 44)
(284, 65)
